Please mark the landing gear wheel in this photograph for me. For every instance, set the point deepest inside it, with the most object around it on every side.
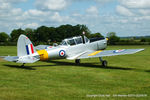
(104, 63)
(77, 61)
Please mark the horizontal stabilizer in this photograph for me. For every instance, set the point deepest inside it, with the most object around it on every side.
(25, 59)
(2, 56)
(41, 47)
(11, 58)
(28, 59)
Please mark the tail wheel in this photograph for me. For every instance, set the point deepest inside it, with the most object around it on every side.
(77, 61)
(104, 63)
(22, 65)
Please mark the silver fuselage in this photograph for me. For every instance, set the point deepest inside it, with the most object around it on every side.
(70, 51)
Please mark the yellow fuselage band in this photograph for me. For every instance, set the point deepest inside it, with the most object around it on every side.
(43, 54)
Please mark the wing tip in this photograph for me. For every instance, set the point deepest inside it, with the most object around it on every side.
(141, 50)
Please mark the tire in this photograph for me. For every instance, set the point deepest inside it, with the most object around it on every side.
(104, 63)
(77, 61)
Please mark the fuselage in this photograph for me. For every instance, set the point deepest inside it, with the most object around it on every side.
(72, 47)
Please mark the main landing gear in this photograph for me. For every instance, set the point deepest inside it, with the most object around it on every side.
(104, 62)
(77, 61)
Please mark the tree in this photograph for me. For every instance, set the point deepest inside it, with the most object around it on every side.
(46, 34)
(84, 28)
(65, 31)
(30, 33)
(42, 34)
(143, 39)
(95, 35)
(111, 34)
(4, 37)
(113, 38)
(54, 36)
(16, 33)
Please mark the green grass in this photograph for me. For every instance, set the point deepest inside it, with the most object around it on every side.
(64, 80)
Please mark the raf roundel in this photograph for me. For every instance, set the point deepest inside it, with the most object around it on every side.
(118, 51)
(61, 53)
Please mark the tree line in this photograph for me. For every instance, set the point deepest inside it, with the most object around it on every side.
(47, 35)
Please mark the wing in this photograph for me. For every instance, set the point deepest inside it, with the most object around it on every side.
(103, 53)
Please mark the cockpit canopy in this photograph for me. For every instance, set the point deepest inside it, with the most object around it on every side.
(74, 41)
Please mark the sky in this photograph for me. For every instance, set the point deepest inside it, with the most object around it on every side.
(125, 17)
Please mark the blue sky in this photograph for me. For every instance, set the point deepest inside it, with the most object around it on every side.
(125, 17)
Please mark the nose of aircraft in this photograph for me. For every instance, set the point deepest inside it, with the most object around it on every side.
(106, 38)
(105, 41)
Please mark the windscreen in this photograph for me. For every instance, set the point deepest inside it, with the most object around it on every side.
(78, 40)
(71, 42)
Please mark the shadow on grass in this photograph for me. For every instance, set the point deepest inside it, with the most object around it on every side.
(147, 71)
(27, 67)
(20, 67)
(92, 65)
(60, 63)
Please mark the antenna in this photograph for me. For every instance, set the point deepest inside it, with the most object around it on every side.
(83, 37)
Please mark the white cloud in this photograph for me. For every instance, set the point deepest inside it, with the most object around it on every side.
(136, 3)
(93, 10)
(12, 17)
(35, 12)
(51, 4)
(124, 11)
(16, 11)
(4, 5)
(56, 17)
(104, 1)
(142, 18)
(14, 1)
(8, 12)
(145, 11)
(8, 3)
(44, 16)
(135, 19)
(32, 25)
(76, 14)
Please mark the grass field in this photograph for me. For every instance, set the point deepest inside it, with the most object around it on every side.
(64, 80)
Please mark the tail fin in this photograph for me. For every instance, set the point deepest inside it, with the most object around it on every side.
(24, 46)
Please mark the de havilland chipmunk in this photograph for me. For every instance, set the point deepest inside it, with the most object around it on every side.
(75, 48)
